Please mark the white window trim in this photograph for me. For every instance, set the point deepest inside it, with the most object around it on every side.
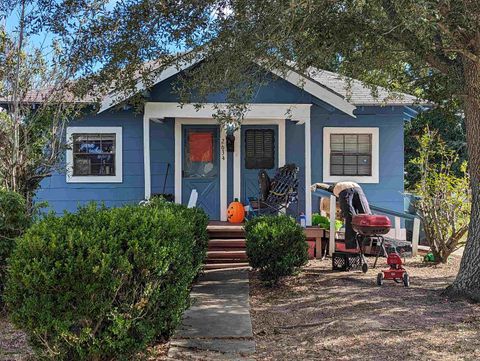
(118, 177)
(375, 177)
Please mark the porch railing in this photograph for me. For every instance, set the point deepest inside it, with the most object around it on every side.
(398, 216)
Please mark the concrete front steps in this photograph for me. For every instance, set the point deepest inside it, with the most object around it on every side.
(226, 248)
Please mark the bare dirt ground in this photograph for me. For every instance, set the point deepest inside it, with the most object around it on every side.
(14, 346)
(325, 315)
(13, 343)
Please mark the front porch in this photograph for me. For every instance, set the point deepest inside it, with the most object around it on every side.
(226, 174)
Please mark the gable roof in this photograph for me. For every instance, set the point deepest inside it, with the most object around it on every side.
(357, 93)
(309, 85)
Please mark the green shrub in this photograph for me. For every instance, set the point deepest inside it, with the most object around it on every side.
(276, 246)
(101, 284)
(14, 220)
(324, 222)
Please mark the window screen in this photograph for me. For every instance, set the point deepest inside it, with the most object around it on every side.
(351, 154)
(93, 154)
(259, 149)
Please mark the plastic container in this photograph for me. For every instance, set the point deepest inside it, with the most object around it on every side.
(303, 220)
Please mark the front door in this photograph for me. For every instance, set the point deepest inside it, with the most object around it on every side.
(201, 167)
(259, 151)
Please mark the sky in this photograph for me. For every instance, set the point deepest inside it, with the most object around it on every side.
(41, 40)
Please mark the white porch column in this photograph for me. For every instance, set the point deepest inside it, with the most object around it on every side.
(237, 163)
(308, 173)
(281, 143)
(178, 161)
(223, 174)
(146, 155)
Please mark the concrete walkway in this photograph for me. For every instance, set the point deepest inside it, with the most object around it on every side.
(218, 325)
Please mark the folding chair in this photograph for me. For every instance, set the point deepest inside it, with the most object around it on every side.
(281, 193)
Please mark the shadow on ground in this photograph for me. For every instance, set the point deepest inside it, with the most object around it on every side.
(327, 315)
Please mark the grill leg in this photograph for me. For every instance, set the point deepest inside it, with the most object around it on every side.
(381, 248)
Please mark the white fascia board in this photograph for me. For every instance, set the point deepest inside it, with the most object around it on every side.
(299, 112)
(117, 97)
(325, 94)
(317, 90)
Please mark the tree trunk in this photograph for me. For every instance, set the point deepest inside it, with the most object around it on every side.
(467, 283)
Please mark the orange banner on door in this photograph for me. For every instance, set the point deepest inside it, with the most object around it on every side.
(201, 147)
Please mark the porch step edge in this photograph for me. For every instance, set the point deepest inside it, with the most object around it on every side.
(213, 266)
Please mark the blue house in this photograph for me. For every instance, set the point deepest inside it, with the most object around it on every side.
(331, 130)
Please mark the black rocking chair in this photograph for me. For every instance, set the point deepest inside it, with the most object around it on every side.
(276, 194)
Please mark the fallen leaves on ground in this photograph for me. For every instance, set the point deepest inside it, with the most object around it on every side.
(325, 315)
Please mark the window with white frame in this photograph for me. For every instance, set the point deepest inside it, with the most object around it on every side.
(351, 154)
(94, 155)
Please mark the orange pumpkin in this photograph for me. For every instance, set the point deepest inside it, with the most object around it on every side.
(235, 212)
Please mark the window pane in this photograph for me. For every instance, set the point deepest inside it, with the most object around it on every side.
(336, 159)
(350, 159)
(81, 166)
(350, 154)
(94, 154)
(364, 170)
(351, 148)
(336, 147)
(364, 138)
(351, 139)
(336, 138)
(108, 143)
(364, 148)
(364, 160)
(350, 169)
(336, 169)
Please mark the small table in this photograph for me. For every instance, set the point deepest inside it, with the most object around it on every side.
(317, 233)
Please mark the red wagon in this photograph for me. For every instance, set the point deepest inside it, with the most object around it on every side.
(377, 226)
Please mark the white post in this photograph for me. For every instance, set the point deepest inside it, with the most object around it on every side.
(397, 227)
(178, 161)
(146, 155)
(333, 212)
(415, 236)
(237, 163)
(308, 173)
(223, 174)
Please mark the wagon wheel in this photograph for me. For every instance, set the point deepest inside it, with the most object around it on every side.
(406, 279)
(364, 267)
(380, 279)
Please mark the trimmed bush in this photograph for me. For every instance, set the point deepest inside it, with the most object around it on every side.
(276, 246)
(103, 283)
(14, 220)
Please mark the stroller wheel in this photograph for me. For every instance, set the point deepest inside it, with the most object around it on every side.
(380, 279)
(364, 268)
(406, 279)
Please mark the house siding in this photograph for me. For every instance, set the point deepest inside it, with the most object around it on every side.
(61, 195)
(387, 193)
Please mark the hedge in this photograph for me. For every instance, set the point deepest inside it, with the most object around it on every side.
(101, 284)
(276, 246)
(14, 219)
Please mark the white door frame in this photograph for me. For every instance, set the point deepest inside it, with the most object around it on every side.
(256, 114)
(237, 158)
(179, 161)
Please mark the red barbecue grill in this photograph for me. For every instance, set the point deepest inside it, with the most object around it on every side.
(376, 226)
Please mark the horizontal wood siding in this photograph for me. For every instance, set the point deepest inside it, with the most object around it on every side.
(388, 192)
(61, 195)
